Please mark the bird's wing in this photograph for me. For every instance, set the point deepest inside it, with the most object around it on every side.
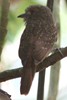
(43, 46)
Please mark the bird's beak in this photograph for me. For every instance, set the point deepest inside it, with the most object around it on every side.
(22, 16)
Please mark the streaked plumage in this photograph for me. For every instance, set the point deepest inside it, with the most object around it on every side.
(36, 42)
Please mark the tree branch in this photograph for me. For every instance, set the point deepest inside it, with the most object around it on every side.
(4, 21)
(50, 60)
(50, 4)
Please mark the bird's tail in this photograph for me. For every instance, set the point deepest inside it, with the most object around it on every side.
(27, 78)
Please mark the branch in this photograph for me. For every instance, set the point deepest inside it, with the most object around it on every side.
(4, 21)
(50, 4)
(50, 60)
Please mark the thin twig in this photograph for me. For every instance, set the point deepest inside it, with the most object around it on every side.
(50, 4)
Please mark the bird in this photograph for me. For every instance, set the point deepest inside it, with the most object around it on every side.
(36, 42)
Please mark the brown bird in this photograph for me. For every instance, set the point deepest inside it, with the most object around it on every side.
(36, 42)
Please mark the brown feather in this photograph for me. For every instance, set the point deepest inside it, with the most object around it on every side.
(36, 42)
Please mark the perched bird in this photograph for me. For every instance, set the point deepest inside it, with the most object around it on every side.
(36, 42)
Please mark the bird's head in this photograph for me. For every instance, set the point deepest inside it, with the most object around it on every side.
(35, 12)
